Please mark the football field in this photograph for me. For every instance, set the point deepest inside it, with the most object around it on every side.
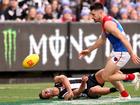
(27, 94)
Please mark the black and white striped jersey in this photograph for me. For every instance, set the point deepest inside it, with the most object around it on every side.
(74, 83)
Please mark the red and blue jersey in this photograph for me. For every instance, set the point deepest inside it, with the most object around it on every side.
(117, 45)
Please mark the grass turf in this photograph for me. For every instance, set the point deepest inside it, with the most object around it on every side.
(27, 94)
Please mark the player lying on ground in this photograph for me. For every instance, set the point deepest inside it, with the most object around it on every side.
(68, 88)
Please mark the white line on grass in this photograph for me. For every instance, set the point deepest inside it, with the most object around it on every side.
(105, 101)
(109, 101)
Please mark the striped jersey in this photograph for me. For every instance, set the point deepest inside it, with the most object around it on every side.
(74, 83)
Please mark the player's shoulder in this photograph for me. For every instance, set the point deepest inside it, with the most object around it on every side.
(107, 18)
(109, 25)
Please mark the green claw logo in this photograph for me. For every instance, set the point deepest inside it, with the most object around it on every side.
(10, 46)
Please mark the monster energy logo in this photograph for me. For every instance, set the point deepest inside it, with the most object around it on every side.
(10, 46)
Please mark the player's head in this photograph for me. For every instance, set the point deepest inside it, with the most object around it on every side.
(48, 93)
(97, 10)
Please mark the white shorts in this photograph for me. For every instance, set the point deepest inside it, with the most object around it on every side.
(120, 58)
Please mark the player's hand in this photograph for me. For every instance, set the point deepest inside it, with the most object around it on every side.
(69, 96)
(135, 59)
(84, 78)
(84, 53)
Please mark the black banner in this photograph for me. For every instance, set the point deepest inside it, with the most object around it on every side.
(82, 36)
(20, 39)
(58, 45)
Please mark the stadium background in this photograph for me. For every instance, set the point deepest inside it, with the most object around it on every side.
(57, 30)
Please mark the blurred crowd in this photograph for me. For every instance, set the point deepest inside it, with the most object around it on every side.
(65, 10)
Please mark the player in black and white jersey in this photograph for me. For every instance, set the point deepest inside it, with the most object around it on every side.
(69, 88)
(77, 86)
(65, 88)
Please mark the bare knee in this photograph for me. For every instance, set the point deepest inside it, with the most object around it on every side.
(94, 90)
(105, 77)
(110, 79)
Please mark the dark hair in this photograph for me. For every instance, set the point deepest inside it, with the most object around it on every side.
(41, 97)
(96, 6)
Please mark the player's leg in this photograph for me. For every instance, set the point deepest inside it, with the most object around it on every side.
(120, 76)
(98, 76)
(109, 70)
(120, 59)
(98, 90)
(123, 93)
(117, 84)
(113, 65)
(112, 73)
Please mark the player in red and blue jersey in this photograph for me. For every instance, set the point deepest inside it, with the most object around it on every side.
(121, 53)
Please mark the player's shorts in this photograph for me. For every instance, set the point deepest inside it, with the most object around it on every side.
(91, 83)
(120, 58)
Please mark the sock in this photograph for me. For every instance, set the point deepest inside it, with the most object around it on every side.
(124, 93)
(130, 77)
(112, 90)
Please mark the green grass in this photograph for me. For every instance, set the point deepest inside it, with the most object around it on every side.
(129, 87)
(19, 92)
(28, 93)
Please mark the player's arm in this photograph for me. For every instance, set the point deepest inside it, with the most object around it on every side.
(64, 80)
(97, 44)
(112, 28)
(77, 92)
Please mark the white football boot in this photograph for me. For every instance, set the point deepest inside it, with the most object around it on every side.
(120, 98)
(125, 98)
(137, 78)
(136, 81)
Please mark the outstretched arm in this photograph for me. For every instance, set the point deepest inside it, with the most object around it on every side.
(64, 80)
(97, 44)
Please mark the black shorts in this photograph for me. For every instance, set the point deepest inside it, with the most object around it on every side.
(91, 83)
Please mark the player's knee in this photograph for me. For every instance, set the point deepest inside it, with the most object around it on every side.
(94, 90)
(110, 79)
(105, 76)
